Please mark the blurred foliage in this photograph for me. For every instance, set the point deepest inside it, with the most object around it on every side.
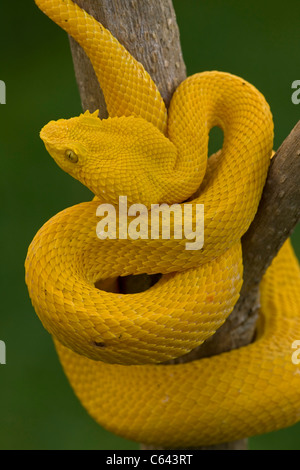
(256, 40)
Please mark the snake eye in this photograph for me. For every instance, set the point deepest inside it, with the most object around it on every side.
(71, 156)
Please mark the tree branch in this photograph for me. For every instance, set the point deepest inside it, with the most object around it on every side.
(149, 32)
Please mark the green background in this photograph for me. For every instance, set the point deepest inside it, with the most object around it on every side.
(256, 40)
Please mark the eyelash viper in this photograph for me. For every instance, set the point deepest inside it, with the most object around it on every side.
(98, 334)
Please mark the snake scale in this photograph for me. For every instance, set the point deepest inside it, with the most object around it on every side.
(112, 345)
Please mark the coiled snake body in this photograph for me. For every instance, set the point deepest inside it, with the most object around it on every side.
(111, 345)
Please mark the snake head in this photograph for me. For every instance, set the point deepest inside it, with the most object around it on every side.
(120, 156)
(66, 141)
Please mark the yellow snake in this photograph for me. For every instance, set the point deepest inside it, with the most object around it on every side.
(111, 345)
